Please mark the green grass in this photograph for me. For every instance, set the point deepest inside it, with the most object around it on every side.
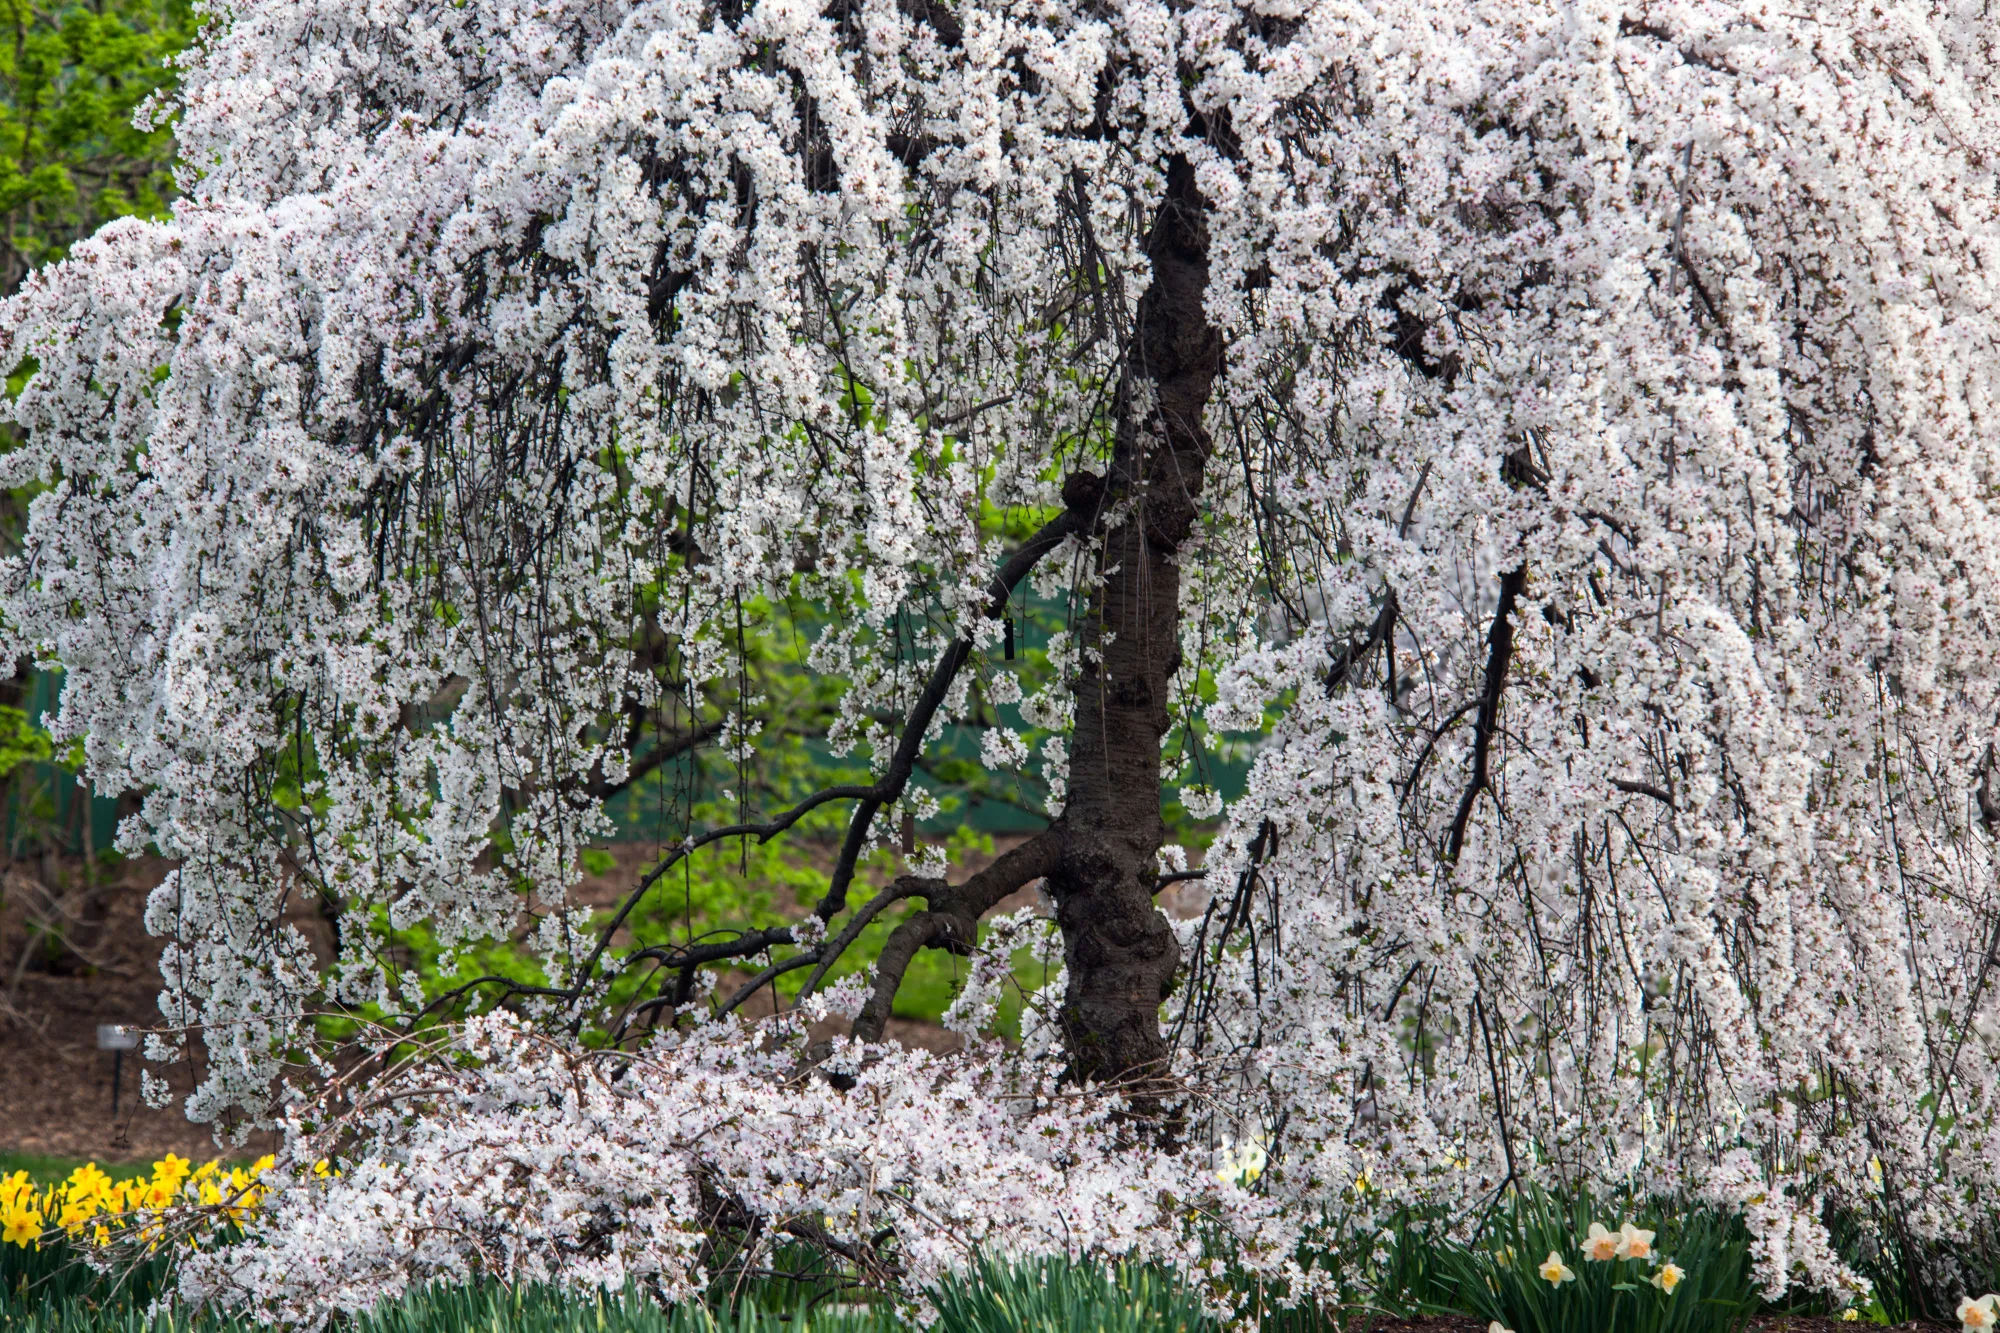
(47, 1170)
(484, 1308)
(45, 1295)
(53, 1170)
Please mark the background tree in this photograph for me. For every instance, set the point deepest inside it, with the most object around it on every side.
(72, 80)
(1545, 424)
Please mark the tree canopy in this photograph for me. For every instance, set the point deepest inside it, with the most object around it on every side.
(1562, 433)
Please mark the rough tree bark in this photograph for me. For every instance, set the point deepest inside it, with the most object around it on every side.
(1120, 951)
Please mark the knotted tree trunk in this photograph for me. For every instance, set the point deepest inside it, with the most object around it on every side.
(1101, 858)
(1121, 953)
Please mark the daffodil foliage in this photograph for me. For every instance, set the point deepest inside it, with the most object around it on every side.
(1562, 432)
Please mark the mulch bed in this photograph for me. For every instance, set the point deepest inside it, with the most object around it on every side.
(1779, 1323)
(55, 1090)
(1799, 1323)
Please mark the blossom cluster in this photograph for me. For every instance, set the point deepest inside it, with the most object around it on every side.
(531, 1160)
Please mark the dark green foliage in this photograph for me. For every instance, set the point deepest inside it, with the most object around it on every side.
(1047, 1297)
(480, 1308)
(52, 1286)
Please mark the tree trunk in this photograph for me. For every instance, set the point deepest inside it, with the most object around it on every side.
(1121, 953)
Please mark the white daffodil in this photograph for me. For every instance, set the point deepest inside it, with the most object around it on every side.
(1634, 1243)
(1977, 1314)
(1668, 1277)
(1497, 1327)
(1602, 1246)
(1555, 1272)
(1241, 1164)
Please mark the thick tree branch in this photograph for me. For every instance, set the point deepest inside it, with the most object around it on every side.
(1081, 493)
(952, 921)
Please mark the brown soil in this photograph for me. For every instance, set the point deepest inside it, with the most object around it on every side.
(1821, 1323)
(55, 1085)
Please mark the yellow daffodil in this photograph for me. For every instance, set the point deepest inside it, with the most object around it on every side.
(1554, 1271)
(1850, 1315)
(88, 1184)
(1634, 1243)
(1668, 1277)
(93, 1207)
(20, 1227)
(1601, 1246)
(1977, 1314)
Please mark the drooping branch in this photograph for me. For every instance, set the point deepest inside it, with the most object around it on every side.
(1499, 653)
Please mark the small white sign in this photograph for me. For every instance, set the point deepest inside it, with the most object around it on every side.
(117, 1037)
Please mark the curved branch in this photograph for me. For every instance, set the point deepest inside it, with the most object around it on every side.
(763, 832)
(888, 897)
(767, 976)
(913, 934)
(952, 921)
